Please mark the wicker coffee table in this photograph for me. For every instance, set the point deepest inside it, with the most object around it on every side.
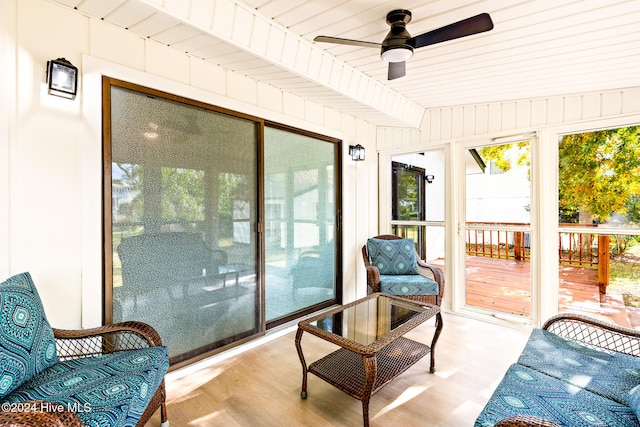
(373, 350)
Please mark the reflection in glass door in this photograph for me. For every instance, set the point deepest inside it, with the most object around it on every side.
(497, 228)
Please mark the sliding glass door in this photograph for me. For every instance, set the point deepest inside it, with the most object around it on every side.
(181, 246)
(216, 227)
(301, 245)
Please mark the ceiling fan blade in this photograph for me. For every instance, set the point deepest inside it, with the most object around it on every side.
(338, 40)
(396, 70)
(474, 25)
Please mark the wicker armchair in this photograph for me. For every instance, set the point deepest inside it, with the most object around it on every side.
(426, 270)
(74, 344)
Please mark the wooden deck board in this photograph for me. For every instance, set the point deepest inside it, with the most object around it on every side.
(505, 286)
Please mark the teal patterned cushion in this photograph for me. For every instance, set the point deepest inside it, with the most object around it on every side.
(393, 256)
(413, 284)
(608, 374)
(526, 392)
(634, 400)
(27, 345)
(111, 390)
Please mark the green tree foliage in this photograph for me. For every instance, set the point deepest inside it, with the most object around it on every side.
(502, 154)
(599, 173)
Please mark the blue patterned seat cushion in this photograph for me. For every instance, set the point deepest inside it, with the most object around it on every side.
(412, 284)
(527, 392)
(27, 345)
(104, 391)
(634, 400)
(393, 256)
(608, 374)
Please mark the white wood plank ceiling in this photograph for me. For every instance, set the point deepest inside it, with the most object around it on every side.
(537, 48)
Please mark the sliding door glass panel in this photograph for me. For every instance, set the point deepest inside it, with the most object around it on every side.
(599, 223)
(300, 213)
(417, 208)
(184, 203)
(498, 228)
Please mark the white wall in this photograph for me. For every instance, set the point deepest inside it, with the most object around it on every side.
(6, 101)
(50, 149)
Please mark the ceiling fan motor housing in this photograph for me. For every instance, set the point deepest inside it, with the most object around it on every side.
(397, 38)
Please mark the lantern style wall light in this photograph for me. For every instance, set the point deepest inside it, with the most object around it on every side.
(356, 152)
(62, 78)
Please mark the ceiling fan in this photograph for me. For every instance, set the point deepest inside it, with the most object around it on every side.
(398, 45)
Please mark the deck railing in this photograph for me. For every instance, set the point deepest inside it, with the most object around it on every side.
(494, 241)
(512, 241)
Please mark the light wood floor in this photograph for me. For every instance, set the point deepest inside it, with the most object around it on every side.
(261, 387)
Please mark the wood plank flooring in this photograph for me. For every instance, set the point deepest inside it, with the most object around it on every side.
(261, 386)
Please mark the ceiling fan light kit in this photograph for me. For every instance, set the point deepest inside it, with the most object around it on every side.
(398, 45)
(397, 54)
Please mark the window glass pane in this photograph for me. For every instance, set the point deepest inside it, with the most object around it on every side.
(408, 192)
(599, 177)
(418, 202)
(300, 250)
(599, 221)
(184, 197)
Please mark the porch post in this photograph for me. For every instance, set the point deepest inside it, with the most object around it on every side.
(603, 262)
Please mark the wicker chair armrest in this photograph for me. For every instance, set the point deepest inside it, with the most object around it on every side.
(106, 339)
(595, 333)
(37, 413)
(373, 278)
(525, 421)
(435, 271)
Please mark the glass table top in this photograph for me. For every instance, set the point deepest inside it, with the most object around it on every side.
(370, 319)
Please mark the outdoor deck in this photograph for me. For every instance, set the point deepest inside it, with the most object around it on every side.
(503, 285)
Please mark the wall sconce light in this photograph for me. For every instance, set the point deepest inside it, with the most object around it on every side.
(62, 78)
(356, 152)
(429, 178)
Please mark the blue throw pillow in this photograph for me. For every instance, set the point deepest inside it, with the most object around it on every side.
(27, 344)
(393, 256)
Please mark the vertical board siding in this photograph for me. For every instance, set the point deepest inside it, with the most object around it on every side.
(611, 104)
(538, 112)
(445, 124)
(631, 100)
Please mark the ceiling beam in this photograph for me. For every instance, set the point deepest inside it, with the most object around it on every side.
(245, 28)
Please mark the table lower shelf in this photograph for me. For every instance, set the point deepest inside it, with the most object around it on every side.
(344, 369)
